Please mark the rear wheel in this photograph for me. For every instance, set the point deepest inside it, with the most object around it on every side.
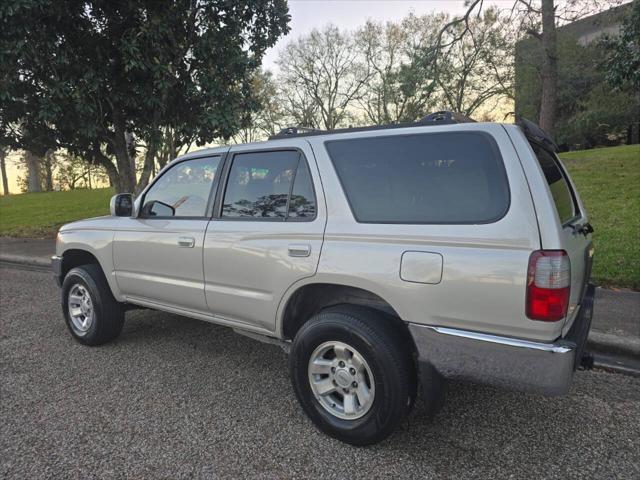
(92, 314)
(353, 373)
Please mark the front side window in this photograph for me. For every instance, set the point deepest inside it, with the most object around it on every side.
(183, 190)
(431, 178)
(269, 185)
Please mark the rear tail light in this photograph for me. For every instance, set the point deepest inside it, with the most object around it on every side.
(548, 285)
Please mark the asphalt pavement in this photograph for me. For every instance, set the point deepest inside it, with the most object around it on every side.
(179, 398)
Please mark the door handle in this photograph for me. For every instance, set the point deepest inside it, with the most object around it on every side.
(299, 250)
(186, 242)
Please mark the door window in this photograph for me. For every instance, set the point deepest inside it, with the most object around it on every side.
(183, 190)
(302, 205)
(266, 186)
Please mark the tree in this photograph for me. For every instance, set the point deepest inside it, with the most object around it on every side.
(549, 71)
(48, 164)
(539, 18)
(3, 169)
(32, 162)
(478, 67)
(321, 76)
(267, 117)
(588, 112)
(623, 59)
(399, 89)
(105, 79)
(73, 173)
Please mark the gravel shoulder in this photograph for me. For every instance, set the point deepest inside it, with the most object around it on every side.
(179, 398)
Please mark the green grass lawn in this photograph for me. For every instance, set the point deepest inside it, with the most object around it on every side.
(40, 214)
(608, 180)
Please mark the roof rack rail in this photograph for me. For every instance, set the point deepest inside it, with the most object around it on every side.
(437, 118)
(288, 131)
(445, 116)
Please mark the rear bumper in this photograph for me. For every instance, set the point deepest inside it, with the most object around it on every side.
(512, 363)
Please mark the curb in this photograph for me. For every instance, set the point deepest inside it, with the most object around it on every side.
(613, 344)
(24, 260)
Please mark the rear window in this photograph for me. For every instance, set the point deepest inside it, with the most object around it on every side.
(442, 178)
(558, 184)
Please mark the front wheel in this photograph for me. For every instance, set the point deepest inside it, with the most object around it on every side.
(92, 314)
(353, 374)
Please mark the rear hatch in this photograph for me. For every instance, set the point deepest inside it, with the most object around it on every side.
(576, 231)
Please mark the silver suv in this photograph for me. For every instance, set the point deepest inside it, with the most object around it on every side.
(381, 258)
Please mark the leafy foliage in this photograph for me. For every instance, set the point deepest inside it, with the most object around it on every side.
(101, 77)
(589, 112)
(400, 89)
(623, 62)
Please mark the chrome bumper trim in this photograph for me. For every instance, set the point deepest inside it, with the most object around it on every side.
(512, 342)
(545, 368)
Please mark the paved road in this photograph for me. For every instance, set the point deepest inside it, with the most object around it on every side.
(178, 398)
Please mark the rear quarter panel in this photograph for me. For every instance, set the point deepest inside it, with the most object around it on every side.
(484, 266)
(552, 234)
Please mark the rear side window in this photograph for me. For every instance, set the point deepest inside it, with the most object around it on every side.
(440, 178)
(302, 205)
(558, 184)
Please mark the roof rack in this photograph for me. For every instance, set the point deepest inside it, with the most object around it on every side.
(288, 131)
(436, 118)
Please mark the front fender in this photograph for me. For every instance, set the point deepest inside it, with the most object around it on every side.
(98, 243)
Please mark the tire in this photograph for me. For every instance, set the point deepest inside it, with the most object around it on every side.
(98, 320)
(388, 373)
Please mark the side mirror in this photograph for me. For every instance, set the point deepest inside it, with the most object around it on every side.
(121, 205)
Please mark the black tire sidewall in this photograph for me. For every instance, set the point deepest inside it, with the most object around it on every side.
(390, 401)
(83, 276)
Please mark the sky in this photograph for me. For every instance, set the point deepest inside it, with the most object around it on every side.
(350, 14)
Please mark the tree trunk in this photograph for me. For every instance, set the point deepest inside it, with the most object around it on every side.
(549, 68)
(3, 170)
(33, 172)
(126, 179)
(48, 171)
(149, 161)
(112, 172)
(126, 182)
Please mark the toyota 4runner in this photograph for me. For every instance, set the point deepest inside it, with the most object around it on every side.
(383, 259)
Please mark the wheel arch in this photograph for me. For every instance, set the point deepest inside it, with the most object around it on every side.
(76, 256)
(308, 299)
